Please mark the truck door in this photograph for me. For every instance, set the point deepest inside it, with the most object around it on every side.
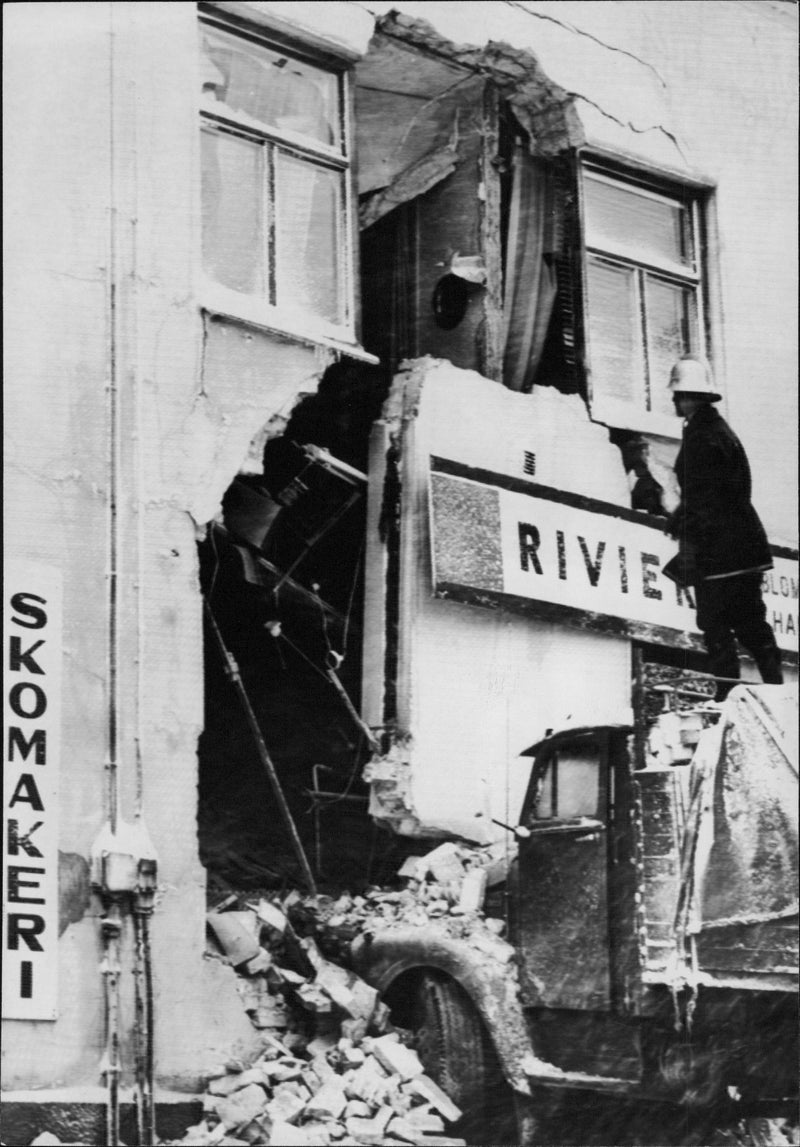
(562, 920)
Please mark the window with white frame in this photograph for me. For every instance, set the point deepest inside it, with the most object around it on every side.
(643, 289)
(275, 192)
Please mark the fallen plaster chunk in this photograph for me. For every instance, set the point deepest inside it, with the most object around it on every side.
(430, 1091)
(330, 1101)
(396, 1058)
(228, 1084)
(242, 1106)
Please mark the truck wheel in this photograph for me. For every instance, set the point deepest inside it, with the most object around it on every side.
(455, 1050)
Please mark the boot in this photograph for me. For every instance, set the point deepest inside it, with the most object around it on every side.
(723, 661)
(768, 661)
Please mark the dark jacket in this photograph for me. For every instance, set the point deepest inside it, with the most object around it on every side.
(715, 516)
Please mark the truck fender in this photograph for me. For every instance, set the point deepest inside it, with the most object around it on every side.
(490, 983)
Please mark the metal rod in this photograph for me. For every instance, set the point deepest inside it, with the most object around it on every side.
(232, 670)
(351, 709)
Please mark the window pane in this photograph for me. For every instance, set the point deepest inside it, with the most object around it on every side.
(617, 362)
(671, 332)
(268, 87)
(620, 218)
(233, 224)
(574, 774)
(308, 209)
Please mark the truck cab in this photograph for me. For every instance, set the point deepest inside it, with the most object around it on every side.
(626, 982)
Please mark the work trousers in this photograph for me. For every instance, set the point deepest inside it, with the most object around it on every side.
(731, 609)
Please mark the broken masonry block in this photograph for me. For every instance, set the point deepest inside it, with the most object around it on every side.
(347, 991)
(424, 1120)
(433, 1094)
(314, 999)
(493, 946)
(46, 1139)
(357, 1109)
(444, 863)
(396, 1058)
(367, 1082)
(322, 1068)
(356, 1030)
(321, 1044)
(383, 1117)
(285, 1069)
(283, 1134)
(350, 1055)
(400, 1128)
(256, 1132)
(227, 1084)
(242, 1106)
(234, 935)
(364, 1131)
(441, 1141)
(438, 908)
(259, 963)
(280, 976)
(285, 1108)
(292, 1087)
(473, 890)
(273, 919)
(329, 1102)
(410, 868)
(493, 924)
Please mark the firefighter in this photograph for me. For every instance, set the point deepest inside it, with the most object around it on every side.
(723, 546)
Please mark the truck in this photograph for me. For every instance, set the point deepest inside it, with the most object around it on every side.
(652, 912)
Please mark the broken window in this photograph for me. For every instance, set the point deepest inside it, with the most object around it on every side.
(275, 170)
(643, 290)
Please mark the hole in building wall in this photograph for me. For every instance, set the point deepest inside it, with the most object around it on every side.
(282, 573)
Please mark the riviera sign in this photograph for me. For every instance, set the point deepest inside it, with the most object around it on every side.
(32, 737)
(507, 543)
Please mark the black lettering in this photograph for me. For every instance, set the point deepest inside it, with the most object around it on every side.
(766, 583)
(790, 625)
(529, 542)
(777, 621)
(15, 883)
(26, 980)
(794, 586)
(784, 584)
(684, 591)
(592, 567)
(17, 842)
(15, 699)
(19, 603)
(623, 569)
(28, 931)
(37, 741)
(562, 555)
(27, 784)
(23, 658)
(650, 564)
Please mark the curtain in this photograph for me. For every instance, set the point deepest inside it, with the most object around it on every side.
(530, 288)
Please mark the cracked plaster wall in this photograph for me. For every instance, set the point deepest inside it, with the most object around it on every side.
(191, 394)
(704, 87)
(476, 686)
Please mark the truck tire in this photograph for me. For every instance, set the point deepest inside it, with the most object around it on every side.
(456, 1052)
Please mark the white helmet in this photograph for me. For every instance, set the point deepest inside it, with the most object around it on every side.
(692, 375)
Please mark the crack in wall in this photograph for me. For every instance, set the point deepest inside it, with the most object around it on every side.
(587, 35)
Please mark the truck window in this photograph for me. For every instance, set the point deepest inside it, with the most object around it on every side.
(570, 786)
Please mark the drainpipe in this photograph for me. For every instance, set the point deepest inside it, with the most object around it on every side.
(123, 861)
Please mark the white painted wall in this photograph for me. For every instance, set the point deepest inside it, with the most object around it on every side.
(477, 687)
(708, 86)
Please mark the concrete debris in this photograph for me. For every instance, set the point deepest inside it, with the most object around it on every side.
(334, 1069)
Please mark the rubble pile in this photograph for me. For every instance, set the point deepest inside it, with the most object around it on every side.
(334, 1069)
(447, 889)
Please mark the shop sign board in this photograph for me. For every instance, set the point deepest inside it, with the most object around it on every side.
(32, 739)
(508, 543)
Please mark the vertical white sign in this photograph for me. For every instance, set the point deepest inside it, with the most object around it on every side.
(32, 739)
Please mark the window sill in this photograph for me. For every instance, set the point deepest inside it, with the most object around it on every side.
(625, 416)
(297, 326)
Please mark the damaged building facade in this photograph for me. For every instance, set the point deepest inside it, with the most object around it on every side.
(339, 447)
